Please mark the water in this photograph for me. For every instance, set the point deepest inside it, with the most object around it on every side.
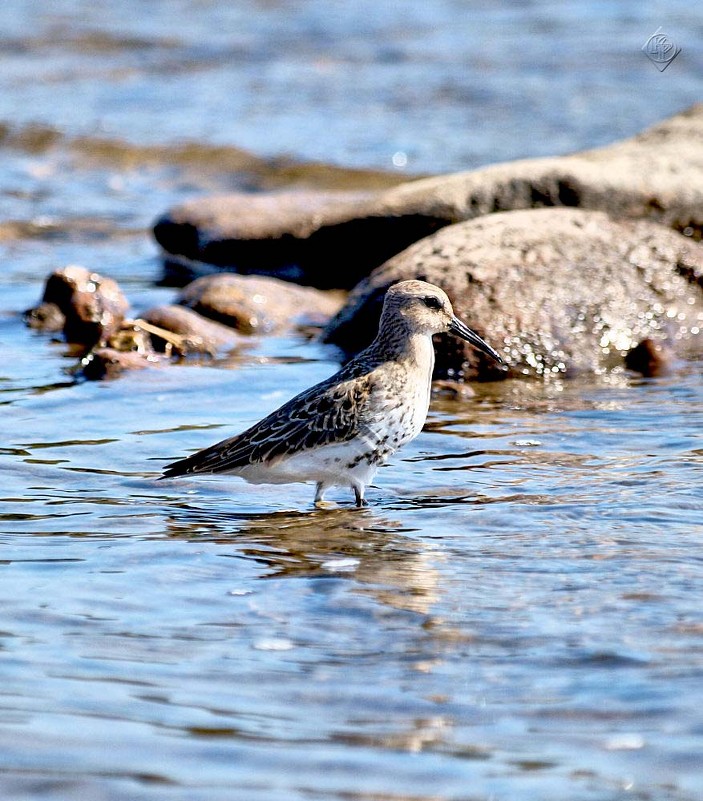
(518, 613)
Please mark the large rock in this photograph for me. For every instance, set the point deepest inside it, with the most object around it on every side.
(333, 240)
(655, 175)
(258, 304)
(88, 306)
(321, 239)
(553, 290)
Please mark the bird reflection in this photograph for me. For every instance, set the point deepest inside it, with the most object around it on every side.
(358, 544)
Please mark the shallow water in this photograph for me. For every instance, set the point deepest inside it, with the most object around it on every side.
(518, 612)
(516, 616)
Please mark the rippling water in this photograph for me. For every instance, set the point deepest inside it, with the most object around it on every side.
(518, 614)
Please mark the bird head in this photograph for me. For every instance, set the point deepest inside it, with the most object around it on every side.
(426, 309)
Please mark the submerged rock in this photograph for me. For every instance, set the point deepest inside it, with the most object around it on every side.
(555, 291)
(45, 317)
(90, 309)
(161, 333)
(335, 239)
(106, 363)
(92, 306)
(131, 336)
(258, 304)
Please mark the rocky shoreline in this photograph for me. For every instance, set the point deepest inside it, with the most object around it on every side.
(582, 263)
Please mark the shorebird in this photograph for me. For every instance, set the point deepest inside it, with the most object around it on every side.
(338, 432)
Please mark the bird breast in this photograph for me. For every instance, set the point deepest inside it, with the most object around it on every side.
(398, 407)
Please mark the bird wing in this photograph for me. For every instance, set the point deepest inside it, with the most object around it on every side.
(326, 413)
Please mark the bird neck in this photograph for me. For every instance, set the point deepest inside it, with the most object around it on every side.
(414, 349)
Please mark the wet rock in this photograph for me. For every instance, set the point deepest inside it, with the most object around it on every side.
(107, 363)
(257, 304)
(196, 334)
(335, 239)
(128, 348)
(650, 358)
(45, 317)
(131, 336)
(179, 270)
(452, 390)
(93, 306)
(556, 291)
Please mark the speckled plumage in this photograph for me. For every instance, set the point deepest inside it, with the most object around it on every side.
(340, 431)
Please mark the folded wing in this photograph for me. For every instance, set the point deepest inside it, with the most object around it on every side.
(322, 415)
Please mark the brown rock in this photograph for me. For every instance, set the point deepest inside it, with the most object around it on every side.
(452, 390)
(321, 239)
(131, 337)
(553, 290)
(257, 304)
(656, 175)
(45, 317)
(106, 363)
(93, 306)
(196, 333)
(650, 358)
(333, 240)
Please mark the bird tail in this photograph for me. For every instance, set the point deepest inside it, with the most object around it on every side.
(209, 460)
(180, 468)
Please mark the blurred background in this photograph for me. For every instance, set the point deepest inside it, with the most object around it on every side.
(146, 102)
(112, 112)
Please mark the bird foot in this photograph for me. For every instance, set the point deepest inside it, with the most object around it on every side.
(325, 505)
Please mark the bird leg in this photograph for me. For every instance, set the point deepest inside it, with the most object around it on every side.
(320, 502)
(359, 495)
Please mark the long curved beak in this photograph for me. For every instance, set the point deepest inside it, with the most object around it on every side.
(464, 332)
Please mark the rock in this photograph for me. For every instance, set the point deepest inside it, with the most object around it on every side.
(650, 358)
(179, 271)
(335, 239)
(45, 317)
(556, 291)
(452, 390)
(130, 336)
(93, 307)
(258, 304)
(656, 175)
(197, 334)
(106, 363)
(320, 239)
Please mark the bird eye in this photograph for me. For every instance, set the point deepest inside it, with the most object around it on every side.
(432, 302)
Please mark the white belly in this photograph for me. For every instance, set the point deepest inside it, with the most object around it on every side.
(345, 463)
(340, 464)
